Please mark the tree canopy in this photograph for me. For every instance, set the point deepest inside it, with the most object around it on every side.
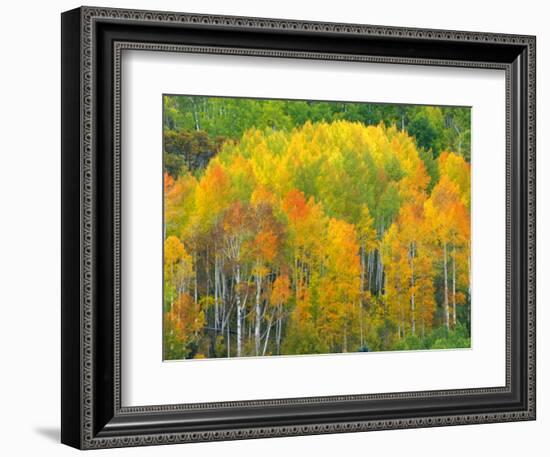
(295, 227)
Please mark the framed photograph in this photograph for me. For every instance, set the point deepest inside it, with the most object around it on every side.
(273, 227)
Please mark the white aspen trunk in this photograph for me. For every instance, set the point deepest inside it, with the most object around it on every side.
(228, 340)
(459, 138)
(258, 315)
(279, 329)
(239, 311)
(196, 116)
(239, 329)
(267, 335)
(223, 296)
(446, 287)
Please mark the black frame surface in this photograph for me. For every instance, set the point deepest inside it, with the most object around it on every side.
(93, 40)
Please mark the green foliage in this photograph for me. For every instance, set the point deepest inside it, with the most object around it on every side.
(435, 128)
(175, 164)
(303, 340)
(431, 166)
(425, 133)
(439, 338)
(188, 150)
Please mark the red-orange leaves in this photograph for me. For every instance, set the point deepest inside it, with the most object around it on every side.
(296, 206)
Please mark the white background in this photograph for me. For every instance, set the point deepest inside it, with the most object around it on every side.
(30, 244)
(147, 75)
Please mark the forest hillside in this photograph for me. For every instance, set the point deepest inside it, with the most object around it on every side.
(296, 227)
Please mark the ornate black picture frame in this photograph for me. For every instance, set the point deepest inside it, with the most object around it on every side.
(92, 42)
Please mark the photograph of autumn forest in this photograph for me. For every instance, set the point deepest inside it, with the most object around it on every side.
(314, 227)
